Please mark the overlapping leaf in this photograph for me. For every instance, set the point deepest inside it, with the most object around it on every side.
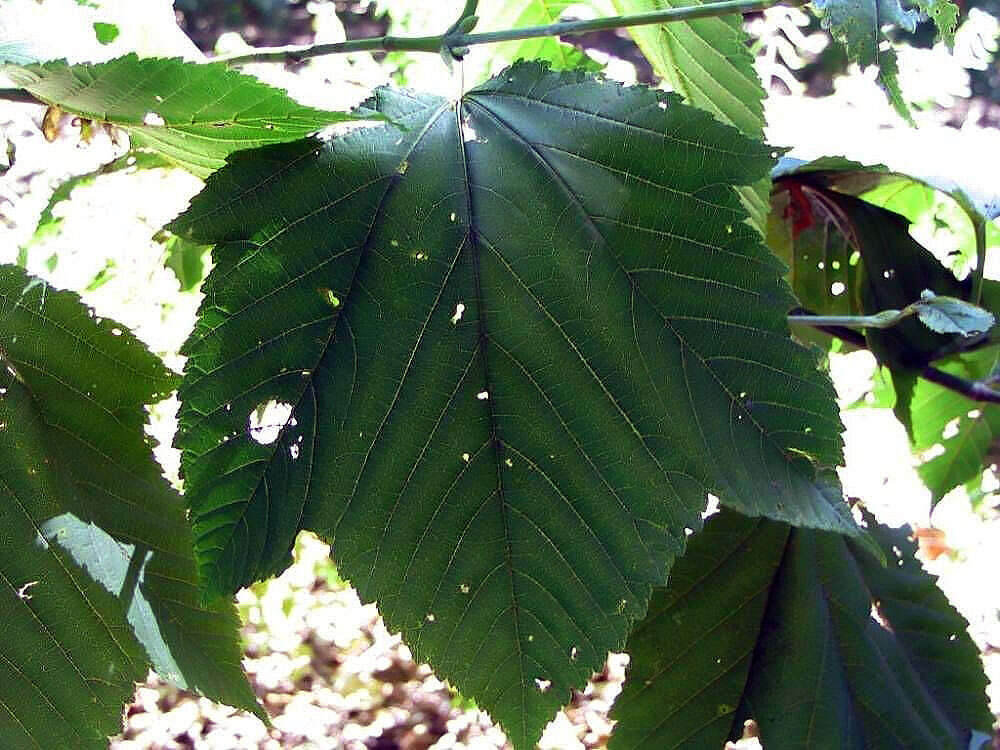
(807, 635)
(503, 14)
(96, 563)
(966, 431)
(708, 62)
(966, 209)
(850, 257)
(497, 353)
(859, 25)
(194, 114)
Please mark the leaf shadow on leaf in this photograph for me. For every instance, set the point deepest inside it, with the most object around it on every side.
(102, 529)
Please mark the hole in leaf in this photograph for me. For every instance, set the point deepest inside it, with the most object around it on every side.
(837, 288)
(574, 653)
(854, 259)
(154, 120)
(430, 617)
(711, 505)
(464, 588)
(331, 299)
(483, 395)
(931, 453)
(459, 309)
(22, 593)
(468, 131)
(267, 420)
(877, 616)
(542, 685)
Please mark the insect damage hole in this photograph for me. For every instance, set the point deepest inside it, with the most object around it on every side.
(459, 310)
(154, 120)
(542, 685)
(267, 420)
(469, 134)
(22, 593)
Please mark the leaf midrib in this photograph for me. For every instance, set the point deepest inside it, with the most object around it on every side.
(483, 341)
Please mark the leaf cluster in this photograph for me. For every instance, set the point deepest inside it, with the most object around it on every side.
(500, 353)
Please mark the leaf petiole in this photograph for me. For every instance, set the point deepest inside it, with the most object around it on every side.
(940, 313)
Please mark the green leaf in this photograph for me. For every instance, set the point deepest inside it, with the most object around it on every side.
(824, 268)
(106, 32)
(811, 637)
(186, 259)
(858, 24)
(498, 359)
(503, 14)
(709, 63)
(918, 197)
(847, 256)
(95, 543)
(950, 315)
(944, 13)
(193, 114)
(966, 431)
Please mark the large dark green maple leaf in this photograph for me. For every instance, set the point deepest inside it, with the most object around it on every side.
(808, 635)
(498, 353)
